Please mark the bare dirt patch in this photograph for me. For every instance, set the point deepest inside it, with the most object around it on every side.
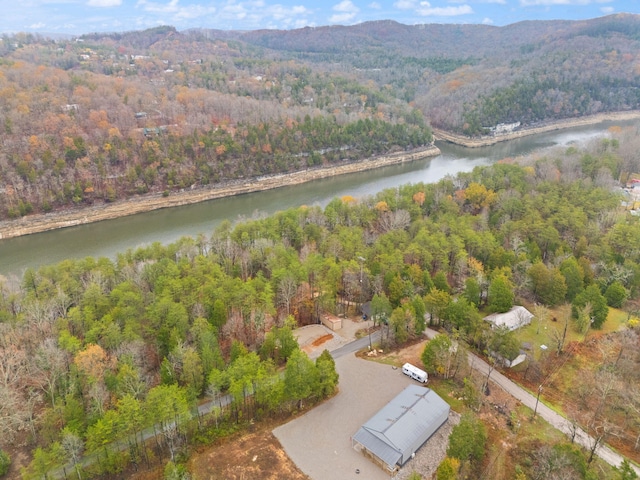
(256, 456)
(408, 354)
(319, 341)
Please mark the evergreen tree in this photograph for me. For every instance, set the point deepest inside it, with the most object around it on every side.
(327, 375)
(599, 309)
(616, 295)
(467, 439)
(501, 294)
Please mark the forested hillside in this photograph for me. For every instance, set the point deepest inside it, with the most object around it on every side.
(468, 78)
(91, 350)
(105, 117)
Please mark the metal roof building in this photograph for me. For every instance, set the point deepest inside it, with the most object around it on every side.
(402, 426)
(515, 318)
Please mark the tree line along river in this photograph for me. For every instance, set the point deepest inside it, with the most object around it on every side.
(107, 238)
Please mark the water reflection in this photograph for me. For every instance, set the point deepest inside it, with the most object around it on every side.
(110, 237)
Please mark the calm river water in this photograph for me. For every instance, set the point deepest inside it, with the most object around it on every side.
(110, 237)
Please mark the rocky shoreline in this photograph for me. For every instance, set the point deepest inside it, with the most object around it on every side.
(38, 223)
(44, 222)
(475, 142)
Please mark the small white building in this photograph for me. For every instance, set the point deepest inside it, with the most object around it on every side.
(515, 318)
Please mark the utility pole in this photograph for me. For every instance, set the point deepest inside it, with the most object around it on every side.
(535, 410)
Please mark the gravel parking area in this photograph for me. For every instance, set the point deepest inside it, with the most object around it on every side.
(314, 339)
(432, 453)
(319, 442)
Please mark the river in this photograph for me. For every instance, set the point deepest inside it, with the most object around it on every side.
(107, 238)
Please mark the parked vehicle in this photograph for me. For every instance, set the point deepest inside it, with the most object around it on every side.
(415, 373)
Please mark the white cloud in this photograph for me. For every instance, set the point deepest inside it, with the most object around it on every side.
(194, 11)
(236, 11)
(176, 12)
(104, 3)
(375, 5)
(279, 12)
(426, 10)
(501, 2)
(37, 26)
(347, 11)
(487, 21)
(342, 18)
(607, 9)
(346, 6)
(257, 14)
(405, 4)
(534, 3)
(155, 7)
(285, 17)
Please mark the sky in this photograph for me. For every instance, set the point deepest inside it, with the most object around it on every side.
(86, 16)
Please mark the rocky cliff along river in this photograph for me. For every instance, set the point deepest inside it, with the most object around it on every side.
(107, 238)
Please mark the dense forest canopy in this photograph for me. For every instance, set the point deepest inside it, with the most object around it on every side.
(85, 343)
(105, 117)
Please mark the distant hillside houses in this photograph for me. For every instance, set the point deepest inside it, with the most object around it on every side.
(504, 128)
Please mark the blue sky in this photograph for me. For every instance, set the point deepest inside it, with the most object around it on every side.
(85, 16)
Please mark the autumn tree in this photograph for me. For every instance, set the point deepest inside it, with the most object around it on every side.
(448, 469)
(92, 364)
(479, 196)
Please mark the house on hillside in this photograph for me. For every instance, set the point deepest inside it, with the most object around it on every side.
(393, 435)
(503, 128)
(515, 318)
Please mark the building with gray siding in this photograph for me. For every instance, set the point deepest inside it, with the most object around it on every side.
(401, 427)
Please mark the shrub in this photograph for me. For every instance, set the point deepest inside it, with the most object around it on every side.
(5, 463)
(467, 439)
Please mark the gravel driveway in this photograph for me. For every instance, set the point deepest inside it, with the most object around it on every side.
(319, 442)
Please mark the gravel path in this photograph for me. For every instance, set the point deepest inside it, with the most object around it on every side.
(555, 419)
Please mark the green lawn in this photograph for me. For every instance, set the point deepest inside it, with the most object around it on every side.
(542, 333)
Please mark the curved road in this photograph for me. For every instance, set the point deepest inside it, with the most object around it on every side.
(554, 418)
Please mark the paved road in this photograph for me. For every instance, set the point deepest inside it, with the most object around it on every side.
(203, 409)
(319, 442)
(356, 345)
(554, 418)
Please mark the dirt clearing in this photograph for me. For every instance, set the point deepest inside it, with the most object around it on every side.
(255, 456)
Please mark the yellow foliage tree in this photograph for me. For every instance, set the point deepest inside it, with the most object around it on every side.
(475, 266)
(448, 469)
(480, 196)
(419, 198)
(93, 361)
(382, 206)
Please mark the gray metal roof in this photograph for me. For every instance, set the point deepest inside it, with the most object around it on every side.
(403, 425)
(515, 318)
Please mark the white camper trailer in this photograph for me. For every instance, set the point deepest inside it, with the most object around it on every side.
(415, 373)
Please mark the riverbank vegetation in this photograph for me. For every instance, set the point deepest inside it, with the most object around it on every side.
(107, 117)
(85, 344)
